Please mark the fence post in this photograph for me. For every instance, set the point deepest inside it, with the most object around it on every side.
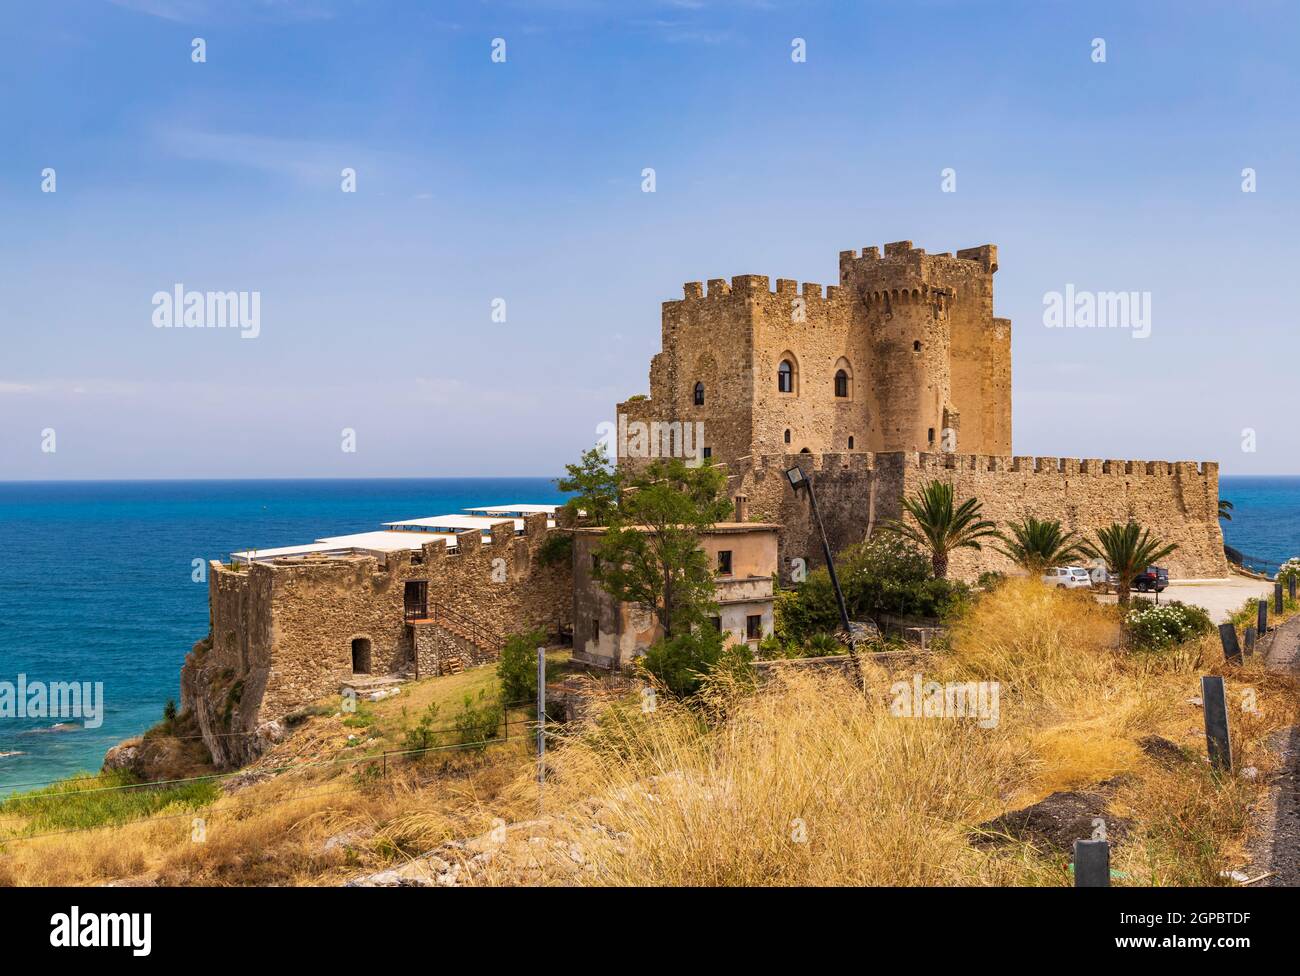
(1092, 864)
(1217, 742)
(541, 713)
(1228, 638)
(1263, 617)
(1277, 598)
(1290, 586)
(1250, 639)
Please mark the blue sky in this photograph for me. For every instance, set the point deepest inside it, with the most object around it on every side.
(522, 180)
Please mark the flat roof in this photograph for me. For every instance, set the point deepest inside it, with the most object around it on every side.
(408, 533)
(520, 509)
(453, 522)
(357, 542)
(384, 541)
(719, 528)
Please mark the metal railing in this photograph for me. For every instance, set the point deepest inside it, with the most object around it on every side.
(459, 623)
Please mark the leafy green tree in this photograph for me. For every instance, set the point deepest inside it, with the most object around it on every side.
(941, 526)
(650, 556)
(593, 482)
(1127, 550)
(517, 666)
(1034, 545)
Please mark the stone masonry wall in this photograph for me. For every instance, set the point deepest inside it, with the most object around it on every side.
(1177, 501)
(281, 632)
(914, 334)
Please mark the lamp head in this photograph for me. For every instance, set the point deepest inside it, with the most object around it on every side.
(796, 478)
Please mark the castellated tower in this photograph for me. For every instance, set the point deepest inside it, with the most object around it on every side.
(904, 354)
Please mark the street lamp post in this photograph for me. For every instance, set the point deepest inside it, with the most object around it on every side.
(803, 482)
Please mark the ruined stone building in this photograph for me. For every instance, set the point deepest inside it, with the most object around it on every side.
(898, 374)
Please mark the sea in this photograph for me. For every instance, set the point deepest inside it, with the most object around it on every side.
(98, 579)
(104, 582)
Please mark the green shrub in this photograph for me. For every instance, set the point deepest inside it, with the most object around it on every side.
(517, 666)
(682, 662)
(423, 735)
(556, 549)
(479, 722)
(1155, 628)
(886, 575)
(822, 645)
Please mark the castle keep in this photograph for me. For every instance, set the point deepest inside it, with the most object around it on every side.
(895, 376)
(904, 354)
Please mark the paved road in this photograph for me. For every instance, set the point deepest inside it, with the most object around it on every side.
(1279, 848)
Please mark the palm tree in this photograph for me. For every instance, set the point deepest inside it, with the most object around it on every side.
(1034, 545)
(1225, 508)
(940, 527)
(1127, 550)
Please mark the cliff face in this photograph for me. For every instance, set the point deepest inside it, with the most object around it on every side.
(221, 701)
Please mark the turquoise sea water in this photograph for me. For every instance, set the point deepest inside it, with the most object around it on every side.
(1265, 522)
(95, 583)
(95, 577)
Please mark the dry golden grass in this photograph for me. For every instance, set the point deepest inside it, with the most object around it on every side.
(805, 781)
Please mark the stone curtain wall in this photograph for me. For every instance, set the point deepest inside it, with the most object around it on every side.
(1177, 501)
(282, 632)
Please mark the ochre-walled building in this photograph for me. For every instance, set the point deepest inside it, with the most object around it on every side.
(610, 634)
(895, 376)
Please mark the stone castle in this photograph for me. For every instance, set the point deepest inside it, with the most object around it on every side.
(897, 375)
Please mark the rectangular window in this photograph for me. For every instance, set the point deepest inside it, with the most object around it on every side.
(717, 623)
(724, 562)
(708, 452)
(595, 562)
(754, 627)
(595, 628)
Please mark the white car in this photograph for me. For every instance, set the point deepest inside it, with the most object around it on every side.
(1068, 577)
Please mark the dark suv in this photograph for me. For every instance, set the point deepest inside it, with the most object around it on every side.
(1154, 579)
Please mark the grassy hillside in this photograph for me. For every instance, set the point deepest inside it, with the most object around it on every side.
(806, 780)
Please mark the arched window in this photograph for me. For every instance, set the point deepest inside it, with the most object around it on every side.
(699, 394)
(804, 451)
(841, 383)
(787, 435)
(850, 442)
(916, 346)
(785, 377)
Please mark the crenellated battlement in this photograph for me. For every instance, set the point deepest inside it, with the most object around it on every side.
(874, 270)
(753, 286)
(765, 465)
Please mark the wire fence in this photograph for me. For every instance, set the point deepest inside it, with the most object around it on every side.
(378, 760)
